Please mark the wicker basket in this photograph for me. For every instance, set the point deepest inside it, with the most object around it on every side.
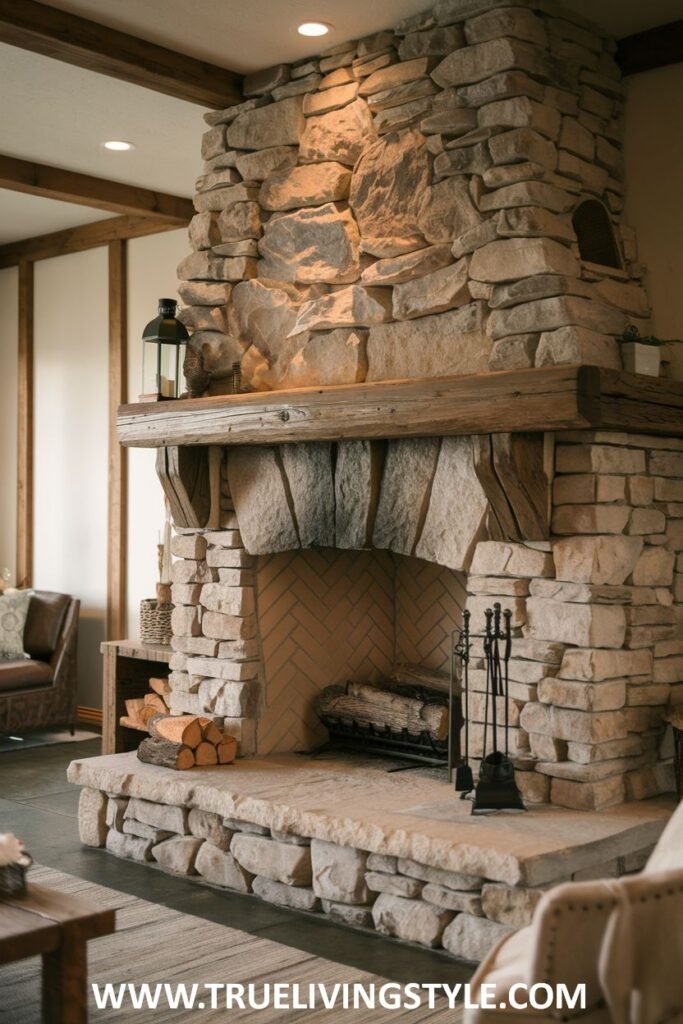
(155, 622)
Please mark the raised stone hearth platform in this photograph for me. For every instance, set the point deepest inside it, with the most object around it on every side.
(394, 852)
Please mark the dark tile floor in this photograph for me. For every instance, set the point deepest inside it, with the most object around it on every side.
(40, 806)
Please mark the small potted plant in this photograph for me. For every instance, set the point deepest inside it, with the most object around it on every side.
(14, 862)
(640, 355)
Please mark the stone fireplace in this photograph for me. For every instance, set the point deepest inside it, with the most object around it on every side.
(413, 247)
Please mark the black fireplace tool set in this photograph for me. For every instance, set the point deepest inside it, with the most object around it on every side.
(496, 788)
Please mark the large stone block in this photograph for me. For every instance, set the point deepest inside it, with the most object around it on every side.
(411, 920)
(409, 470)
(447, 538)
(277, 124)
(356, 489)
(597, 665)
(282, 862)
(164, 816)
(129, 847)
(307, 185)
(439, 876)
(550, 314)
(341, 135)
(445, 211)
(511, 906)
(564, 693)
(499, 558)
(514, 22)
(396, 75)
(92, 817)
(581, 624)
(395, 885)
(521, 112)
(512, 258)
(308, 468)
(258, 165)
(258, 492)
(576, 345)
(574, 726)
(596, 519)
(388, 184)
(411, 265)
(434, 293)
(319, 244)
(329, 357)
(600, 560)
(294, 897)
(221, 868)
(330, 99)
(178, 854)
(339, 872)
(355, 306)
(453, 342)
(483, 60)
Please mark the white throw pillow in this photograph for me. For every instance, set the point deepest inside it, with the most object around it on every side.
(13, 612)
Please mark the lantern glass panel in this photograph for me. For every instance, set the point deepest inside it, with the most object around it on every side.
(162, 368)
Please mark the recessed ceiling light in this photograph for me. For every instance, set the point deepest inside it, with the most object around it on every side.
(313, 28)
(118, 145)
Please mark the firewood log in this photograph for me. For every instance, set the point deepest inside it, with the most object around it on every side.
(176, 729)
(417, 675)
(134, 707)
(165, 754)
(160, 686)
(210, 731)
(368, 705)
(205, 754)
(153, 700)
(147, 714)
(227, 750)
(132, 723)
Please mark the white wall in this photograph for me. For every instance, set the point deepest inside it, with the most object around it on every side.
(653, 151)
(70, 453)
(71, 396)
(8, 417)
(152, 263)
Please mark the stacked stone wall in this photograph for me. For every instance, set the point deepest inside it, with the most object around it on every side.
(402, 207)
(461, 913)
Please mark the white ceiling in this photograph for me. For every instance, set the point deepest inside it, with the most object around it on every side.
(23, 216)
(246, 36)
(57, 114)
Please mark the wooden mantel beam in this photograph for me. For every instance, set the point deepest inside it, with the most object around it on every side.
(88, 44)
(85, 190)
(547, 399)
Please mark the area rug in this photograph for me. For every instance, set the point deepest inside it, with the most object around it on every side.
(154, 944)
(42, 738)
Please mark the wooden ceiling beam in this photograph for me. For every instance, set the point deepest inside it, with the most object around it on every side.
(85, 190)
(88, 44)
(87, 236)
(653, 48)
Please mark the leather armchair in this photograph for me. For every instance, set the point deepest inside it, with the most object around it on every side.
(40, 691)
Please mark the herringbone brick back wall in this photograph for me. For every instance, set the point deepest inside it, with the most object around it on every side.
(328, 616)
(429, 603)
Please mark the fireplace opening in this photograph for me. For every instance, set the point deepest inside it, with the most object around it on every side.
(595, 235)
(356, 653)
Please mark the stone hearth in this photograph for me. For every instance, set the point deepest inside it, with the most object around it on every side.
(397, 853)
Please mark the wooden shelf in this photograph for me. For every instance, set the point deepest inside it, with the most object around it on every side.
(547, 399)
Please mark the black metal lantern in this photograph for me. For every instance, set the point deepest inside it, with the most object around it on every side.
(163, 352)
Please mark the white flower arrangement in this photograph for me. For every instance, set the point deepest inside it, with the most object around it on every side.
(12, 851)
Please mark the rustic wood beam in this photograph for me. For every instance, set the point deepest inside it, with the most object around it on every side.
(88, 44)
(552, 398)
(24, 553)
(85, 190)
(117, 532)
(653, 48)
(87, 236)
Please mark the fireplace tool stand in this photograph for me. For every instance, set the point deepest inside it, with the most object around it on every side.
(496, 789)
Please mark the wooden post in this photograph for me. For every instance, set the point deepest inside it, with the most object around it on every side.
(117, 546)
(24, 553)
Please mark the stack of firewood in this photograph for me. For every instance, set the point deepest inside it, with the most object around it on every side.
(183, 741)
(140, 710)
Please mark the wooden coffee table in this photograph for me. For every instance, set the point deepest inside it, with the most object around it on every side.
(57, 927)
